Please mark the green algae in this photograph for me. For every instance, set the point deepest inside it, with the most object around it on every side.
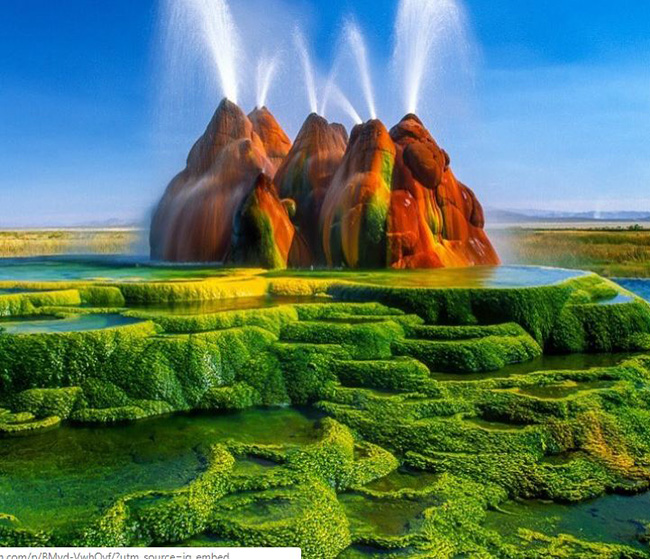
(407, 460)
(385, 516)
(71, 475)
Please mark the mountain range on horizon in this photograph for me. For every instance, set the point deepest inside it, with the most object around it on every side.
(497, 215)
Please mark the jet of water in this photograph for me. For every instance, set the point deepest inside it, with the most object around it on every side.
(425, 30)
(354, 38)
(329, 86)
(204, 30)
(266, 70)
(345, 103)
(308, 70)
(223, 40)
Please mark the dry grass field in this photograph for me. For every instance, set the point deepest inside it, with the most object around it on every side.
(609, 252)
(23, 243)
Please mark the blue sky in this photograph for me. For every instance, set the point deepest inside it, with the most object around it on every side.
(555, 113)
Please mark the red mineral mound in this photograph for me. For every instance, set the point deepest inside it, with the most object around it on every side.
(307, 171)
(435, 220)
(394, 202)
(355, 211)
(276, 143)
(247, 196)
(262, 218)
(195, 218)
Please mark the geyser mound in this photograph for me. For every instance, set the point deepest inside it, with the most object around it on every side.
(221, 184)
(382, 199)
(306, 173)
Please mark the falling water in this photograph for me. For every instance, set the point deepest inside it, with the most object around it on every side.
(355, 39)
(266, 69)
(425, 32)
(308, 70)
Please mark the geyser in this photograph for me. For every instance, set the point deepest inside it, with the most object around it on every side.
(307, 68)
(204, 30)
(354, 38)
(250, 196)
(266, 69)
(380, 200)
(425, 32)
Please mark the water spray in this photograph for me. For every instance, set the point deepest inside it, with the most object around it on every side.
(221, 39)
(308, 70)
(354, 38)
(345, 104)
(424, 29)
(266, 70)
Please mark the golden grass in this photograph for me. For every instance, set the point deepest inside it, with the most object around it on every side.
(607, 252)
(71, 241)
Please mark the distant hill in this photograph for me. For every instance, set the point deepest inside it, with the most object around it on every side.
(495, 215)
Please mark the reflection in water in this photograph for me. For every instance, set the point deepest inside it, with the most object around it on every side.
(110, 268)
(232, 304)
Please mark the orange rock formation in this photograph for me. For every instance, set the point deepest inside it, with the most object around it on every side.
(195, 220)
(247, 196)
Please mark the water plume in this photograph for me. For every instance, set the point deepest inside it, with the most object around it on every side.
(426, 31)
(308, 70)
(355, 39)
(329, 87)
(266, 70)
(345, 104)
(213, 20)
(201, 39)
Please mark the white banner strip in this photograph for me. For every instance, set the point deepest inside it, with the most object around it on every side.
(150, 553)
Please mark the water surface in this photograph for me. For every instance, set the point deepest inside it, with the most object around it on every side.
(472, 277)
(610, 519)
(192, 308)
(104, 268)
(64, 477)
(575, 362)
(78, 323)
(640, 287)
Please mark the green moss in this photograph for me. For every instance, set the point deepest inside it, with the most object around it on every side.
(44, 402)
(367, 364)
(271, 319)
(602, 328)
(470, 356)
(101, 296)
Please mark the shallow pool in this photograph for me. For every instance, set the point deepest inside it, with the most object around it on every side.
(231, 304)
(609, 519)
(106, 268)
(640, 287)
(574, 362)
(65, 477)
(79, 323)
(474, 277)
